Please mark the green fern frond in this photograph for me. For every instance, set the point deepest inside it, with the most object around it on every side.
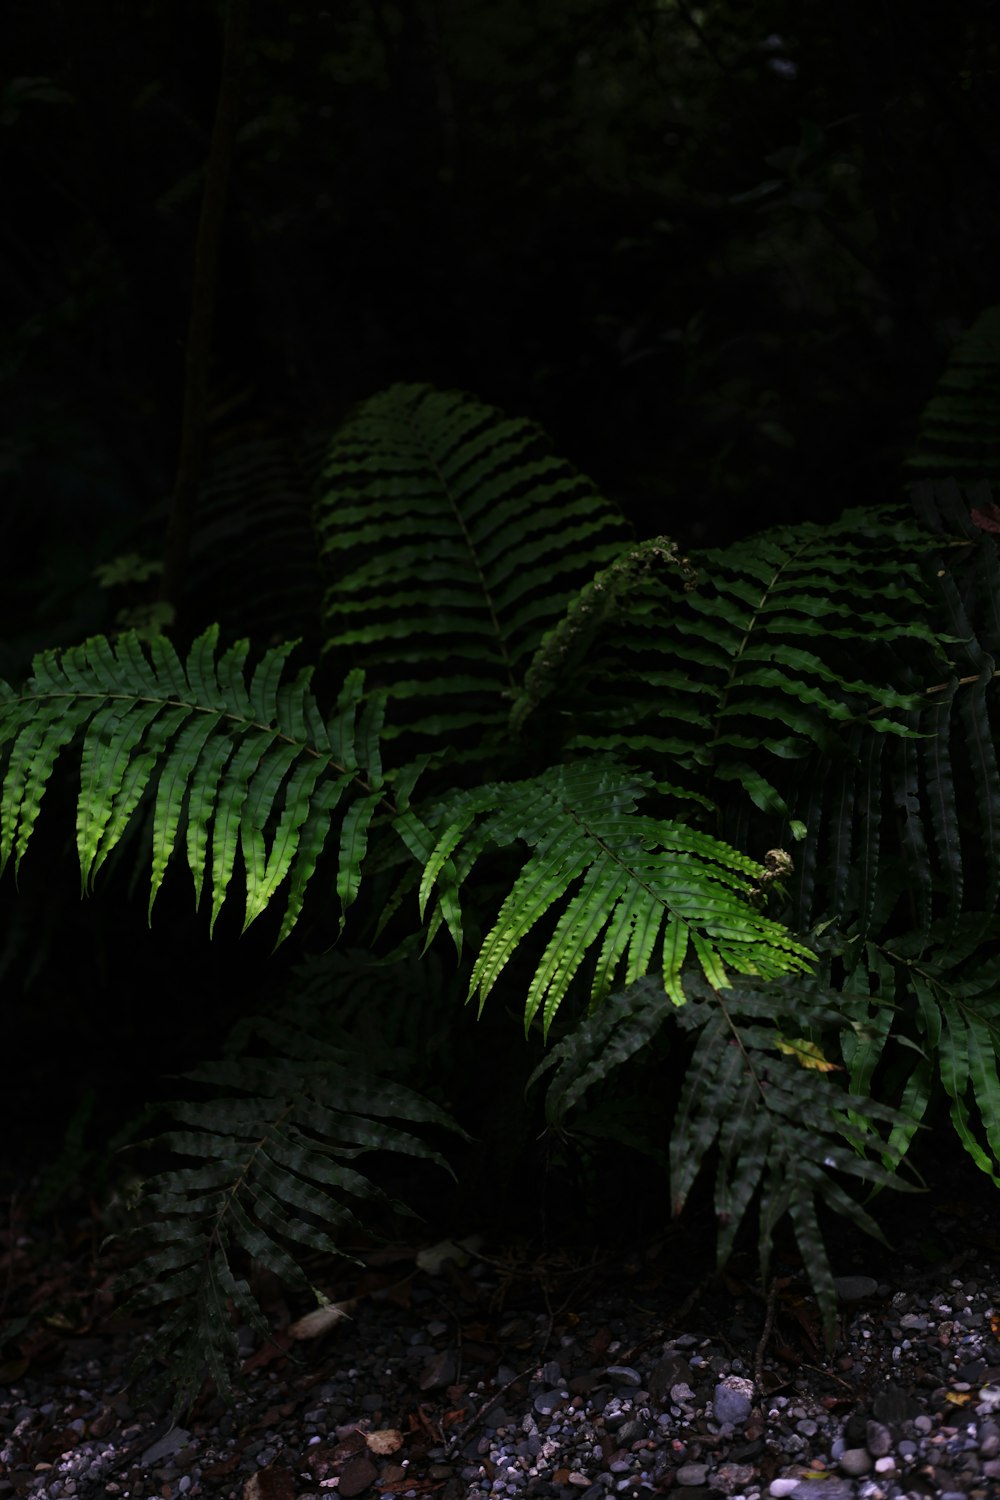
(272, 1177)
(234, 769)
(949, 988)
(453, 539)
(639, 890)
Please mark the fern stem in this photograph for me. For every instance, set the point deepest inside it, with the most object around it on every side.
(199, 708)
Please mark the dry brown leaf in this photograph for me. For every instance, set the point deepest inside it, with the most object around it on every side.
(318, 1322)
(384, 1440)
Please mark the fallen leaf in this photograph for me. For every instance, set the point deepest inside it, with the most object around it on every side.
(318, 1322)
(433, 1259)
(384, 1440)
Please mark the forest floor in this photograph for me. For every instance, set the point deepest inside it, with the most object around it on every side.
(516, 1370)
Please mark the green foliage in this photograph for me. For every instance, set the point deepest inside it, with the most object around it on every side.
(454, 540)
(743, 801)
(227, 759)
(273, 1149)
(646, 889)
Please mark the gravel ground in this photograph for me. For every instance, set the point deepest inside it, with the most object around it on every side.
(557, 1376)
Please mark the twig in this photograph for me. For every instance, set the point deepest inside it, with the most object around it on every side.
(763, 1341)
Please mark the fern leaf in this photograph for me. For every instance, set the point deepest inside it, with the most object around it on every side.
(229, 772)
(453, 540)
(582, 825)
(269, 1175)
(958, 425)
(604, 1040)
(780, 1129)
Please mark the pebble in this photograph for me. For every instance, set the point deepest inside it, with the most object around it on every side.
(733, 1400)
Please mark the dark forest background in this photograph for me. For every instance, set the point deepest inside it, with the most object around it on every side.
(720, 252)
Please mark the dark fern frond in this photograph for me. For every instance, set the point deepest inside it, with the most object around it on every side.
(758, 1095)
(254, 552)
(236, 768)
(272, 1175)
(453, 539)
(960, 425)
(740, 661)
(605, 1039)
(901, 832)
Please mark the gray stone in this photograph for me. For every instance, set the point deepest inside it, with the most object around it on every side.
(733, 1400)
(624, 1374)
(550, 1401)
(855, 1288)
(878, 1440)
(692, 1474)
(163, 1447)
(855, 1461)
(632, 1432)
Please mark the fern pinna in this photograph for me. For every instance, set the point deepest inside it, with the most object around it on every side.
(746, 795)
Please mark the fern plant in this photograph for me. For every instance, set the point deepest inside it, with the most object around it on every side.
(747, 795)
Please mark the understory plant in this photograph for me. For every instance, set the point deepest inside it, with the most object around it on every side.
(747, 798)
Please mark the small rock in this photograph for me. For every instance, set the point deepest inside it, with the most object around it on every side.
(855, 1461)
(631, 1432)
(170, 1442)
(855, 1288)
(730, 1477)
(692, 1474)
(624, 1374)
(781, 1487)
(733, 1400)
(878, 1440)
(356, 1475)
(547, 1402)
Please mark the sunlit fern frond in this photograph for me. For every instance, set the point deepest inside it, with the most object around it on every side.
(238, 764)
(636, 893)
